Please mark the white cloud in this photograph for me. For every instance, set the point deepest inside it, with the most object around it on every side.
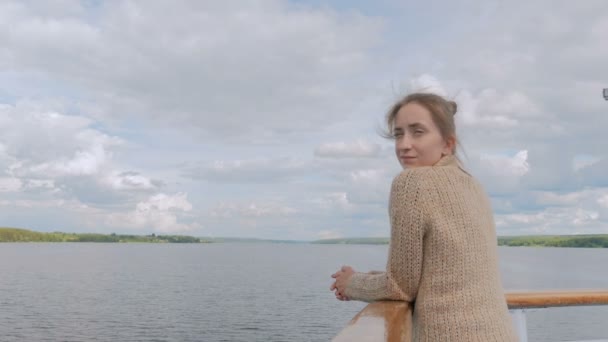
(603, 201)
(328, 234)
(550, 221)
(10, 184)
(594, 175)
(583, 217)
(583, 161)
(71, 206)
(358, 149)
(251, 170)
(40, 184)
(516, 165)
(258, 209)
(426, 84)
(68, 156)
(368, 176)
(557, 199)
(282, 61)
(501, 173)
(159, 213)
(81, 163)
(334, 201)
(129, 181)
(491, 109)
(576, 212)
(44, 143)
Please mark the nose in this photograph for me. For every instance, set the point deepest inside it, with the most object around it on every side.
(404, 143)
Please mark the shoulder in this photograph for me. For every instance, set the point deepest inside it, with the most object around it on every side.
(412, 181)
(429, 178)
(415, 177)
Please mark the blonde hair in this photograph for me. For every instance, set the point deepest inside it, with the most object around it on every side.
(442, 112)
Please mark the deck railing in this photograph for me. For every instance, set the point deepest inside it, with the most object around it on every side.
(391, 321)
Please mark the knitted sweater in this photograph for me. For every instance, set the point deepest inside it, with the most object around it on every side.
(443, 257)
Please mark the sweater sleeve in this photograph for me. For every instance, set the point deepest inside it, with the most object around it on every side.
(404, 266)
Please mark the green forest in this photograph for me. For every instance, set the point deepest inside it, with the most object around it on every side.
(24, 235)
(586, 241)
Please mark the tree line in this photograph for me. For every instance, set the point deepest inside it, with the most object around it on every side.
(583, 241)
(586, 241)
(24, 235)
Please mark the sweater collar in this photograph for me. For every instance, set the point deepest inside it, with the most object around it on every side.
(448, 160)
(452, 161)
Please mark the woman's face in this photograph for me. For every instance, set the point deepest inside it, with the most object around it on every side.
(418, 141)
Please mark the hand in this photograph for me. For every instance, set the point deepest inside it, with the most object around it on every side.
(342, 277)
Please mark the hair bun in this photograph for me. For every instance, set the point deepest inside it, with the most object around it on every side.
(453, 107)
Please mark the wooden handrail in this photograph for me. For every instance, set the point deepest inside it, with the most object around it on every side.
(380, 321)
(391, 321)
(545, 299)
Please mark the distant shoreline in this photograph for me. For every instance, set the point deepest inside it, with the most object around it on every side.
(8, 235)
(573, 241)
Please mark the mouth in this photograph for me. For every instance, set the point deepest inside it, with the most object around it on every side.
(406, 159)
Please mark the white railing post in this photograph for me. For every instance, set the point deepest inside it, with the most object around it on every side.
(519, 321)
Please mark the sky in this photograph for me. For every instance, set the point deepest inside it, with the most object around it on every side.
(263, 118)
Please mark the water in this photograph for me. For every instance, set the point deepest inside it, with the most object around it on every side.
(239, 292)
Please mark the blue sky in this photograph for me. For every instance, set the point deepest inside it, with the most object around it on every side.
(260, 119)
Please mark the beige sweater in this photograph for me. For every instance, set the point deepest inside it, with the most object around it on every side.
(443, 257)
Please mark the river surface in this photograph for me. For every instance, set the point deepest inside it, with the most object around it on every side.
(240, 292)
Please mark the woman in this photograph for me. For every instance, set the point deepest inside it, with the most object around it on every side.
(443, 249)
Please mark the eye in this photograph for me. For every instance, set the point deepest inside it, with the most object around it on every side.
(397, 135)
(418, 132)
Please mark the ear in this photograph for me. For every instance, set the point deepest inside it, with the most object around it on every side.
(449, 146)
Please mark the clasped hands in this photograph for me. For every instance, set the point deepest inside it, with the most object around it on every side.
(342, 278)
